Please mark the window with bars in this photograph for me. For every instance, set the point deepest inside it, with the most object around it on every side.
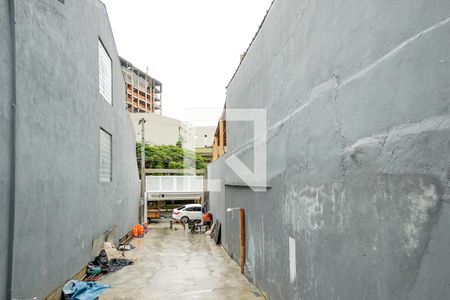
(105, 156)
(104, 73)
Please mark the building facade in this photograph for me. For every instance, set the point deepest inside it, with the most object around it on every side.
(143, 91)
(203, 136)
(203, 141)
(219, 146)
(356, 204)
(68, 171)
(158, 130)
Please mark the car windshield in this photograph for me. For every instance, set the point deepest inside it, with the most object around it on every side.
(180, 208)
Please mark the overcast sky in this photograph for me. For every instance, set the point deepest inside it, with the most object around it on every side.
(192, 47)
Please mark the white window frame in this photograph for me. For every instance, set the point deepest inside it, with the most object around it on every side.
(105, 85)
(105, 176)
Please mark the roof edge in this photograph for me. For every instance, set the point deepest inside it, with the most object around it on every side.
(251, 43)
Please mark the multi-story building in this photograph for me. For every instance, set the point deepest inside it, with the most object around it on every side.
(143, 91)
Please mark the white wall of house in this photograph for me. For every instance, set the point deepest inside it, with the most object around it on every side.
(159, 130)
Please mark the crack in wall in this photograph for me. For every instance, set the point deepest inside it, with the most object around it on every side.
(394, 52)
(336, 84)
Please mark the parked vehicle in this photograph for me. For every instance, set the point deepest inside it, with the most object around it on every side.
(188, 212)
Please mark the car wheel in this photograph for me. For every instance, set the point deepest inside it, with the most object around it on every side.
(185, 219)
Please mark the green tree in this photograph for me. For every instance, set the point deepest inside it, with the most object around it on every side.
(169, 157)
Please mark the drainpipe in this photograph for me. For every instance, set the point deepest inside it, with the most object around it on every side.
(12, 195)
(242, 219)
(242, 223)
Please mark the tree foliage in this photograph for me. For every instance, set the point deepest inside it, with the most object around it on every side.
(169, 157)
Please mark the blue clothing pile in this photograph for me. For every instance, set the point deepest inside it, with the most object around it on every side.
(80, 290)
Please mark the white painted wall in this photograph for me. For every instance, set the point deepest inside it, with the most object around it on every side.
(159, 130)
(204, 136)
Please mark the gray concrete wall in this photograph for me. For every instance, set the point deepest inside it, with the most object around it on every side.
(217, 200)
(6, 84)
(357, 99)
(60, 204)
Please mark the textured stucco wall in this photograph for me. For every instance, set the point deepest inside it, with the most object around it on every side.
(5, 114)
(60, 204)
(357, 99)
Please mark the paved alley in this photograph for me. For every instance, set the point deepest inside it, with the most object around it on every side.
(173, 264)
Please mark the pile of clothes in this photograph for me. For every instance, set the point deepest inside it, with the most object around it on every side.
(101, 265)
(88, 288)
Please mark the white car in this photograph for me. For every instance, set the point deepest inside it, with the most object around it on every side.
(188, 212)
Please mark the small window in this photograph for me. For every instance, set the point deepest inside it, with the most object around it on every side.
(105, 156)
(104, 73)
(189, 209)
(197, 208)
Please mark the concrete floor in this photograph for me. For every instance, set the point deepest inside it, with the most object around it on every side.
(173, 264)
